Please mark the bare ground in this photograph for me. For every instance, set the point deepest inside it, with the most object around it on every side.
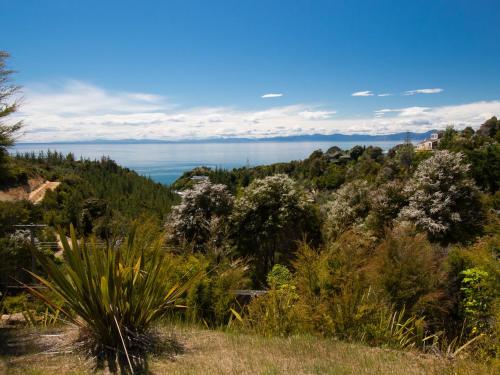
(34, 191)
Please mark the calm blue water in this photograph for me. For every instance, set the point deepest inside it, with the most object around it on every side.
(166, 162)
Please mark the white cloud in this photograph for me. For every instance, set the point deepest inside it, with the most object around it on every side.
(384, 94)
(267, 96)
(317, 115)
(76, 111)
(362, 93)
(423, 91)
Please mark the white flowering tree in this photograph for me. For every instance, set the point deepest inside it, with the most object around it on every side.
(201, 215)
(268, 219)
(443, 200)
(349, 206)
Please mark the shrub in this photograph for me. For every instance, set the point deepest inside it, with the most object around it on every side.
(474, 281)
(407, 268)
(334, 295)
(385, 203)
(267, 220)
(443, 200)
(274, 313)
(113, 294)
(279, 276)
(210, 298)
(348, 207)
(202, 207)
(477, 299)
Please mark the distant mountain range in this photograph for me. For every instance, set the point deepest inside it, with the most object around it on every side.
(293, 138)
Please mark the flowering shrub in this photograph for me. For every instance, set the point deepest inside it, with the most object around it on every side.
(202, 207)
(348, 207)
(443, 200)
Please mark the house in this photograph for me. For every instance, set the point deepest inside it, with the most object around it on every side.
(431, 143)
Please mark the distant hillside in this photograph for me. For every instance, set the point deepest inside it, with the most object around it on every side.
(292, 138)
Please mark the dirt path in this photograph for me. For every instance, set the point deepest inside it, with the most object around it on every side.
(36, 196)
(34, 191)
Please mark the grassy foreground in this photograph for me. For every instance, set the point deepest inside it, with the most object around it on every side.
(214, 352)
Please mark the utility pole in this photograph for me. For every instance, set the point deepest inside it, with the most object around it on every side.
(407, 138)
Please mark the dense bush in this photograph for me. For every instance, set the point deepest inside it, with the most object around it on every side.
(211, 297)
(407, 269)
(268, 218)
(385, 203)
(203, 210)
(474, 283)
(275, 313)
(348, 206)
(443, 200)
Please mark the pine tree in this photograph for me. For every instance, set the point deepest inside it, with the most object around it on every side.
(8, 105)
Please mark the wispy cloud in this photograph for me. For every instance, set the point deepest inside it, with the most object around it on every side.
(271, 95)
(317, 115)
(423, 91)
(76, 111)
(362, 93)
(384, 94)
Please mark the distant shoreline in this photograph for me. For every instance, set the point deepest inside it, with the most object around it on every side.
(298, 138)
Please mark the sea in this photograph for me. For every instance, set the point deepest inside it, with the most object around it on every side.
(165, 162)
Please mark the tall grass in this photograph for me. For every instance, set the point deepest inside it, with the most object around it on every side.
(114, 294)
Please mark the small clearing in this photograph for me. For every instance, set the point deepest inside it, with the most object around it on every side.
(34, 191)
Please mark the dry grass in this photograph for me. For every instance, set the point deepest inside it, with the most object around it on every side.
(213, 352)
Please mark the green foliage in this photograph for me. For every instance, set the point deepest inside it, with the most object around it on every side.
(385, 203)
(329, 295)
(8, 106)
(485, 166)
(347, 207)
(407, 268)
(201, 215)
(211, 297)
(14, 304)
(335, 297)
(274, 313)
(332, 178)
(113, 294)
(97, 196)
(279, 276)
(490, 128)
(268, 218)
(477, 299)
(443, 200)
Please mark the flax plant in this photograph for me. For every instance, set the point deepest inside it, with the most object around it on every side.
(113, 294)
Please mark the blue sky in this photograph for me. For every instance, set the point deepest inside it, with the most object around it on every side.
(196, 69)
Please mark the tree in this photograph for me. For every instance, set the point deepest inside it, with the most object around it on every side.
(204, 206)
(349, 206)
(8, 105)
(489, 128)
(443, 200)
(268, 219)
(356, 152)
(373, 153)
(448, 138)
(385, 203)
